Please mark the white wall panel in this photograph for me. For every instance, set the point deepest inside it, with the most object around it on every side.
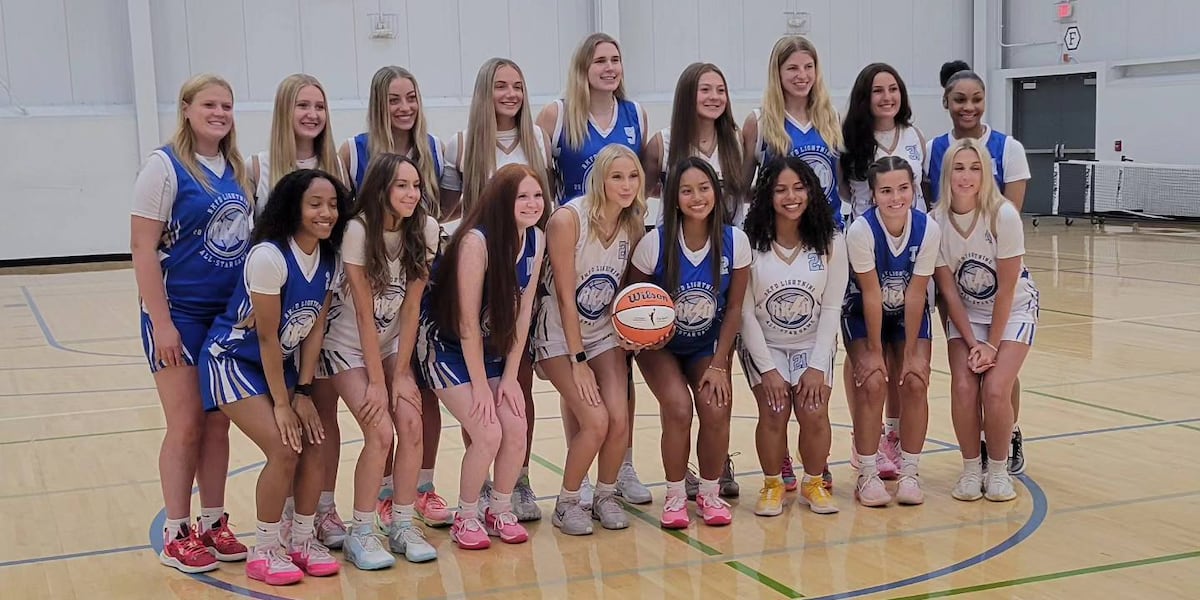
(533, 44)
(484, 27)
(327, 46)
(676, 41)
(435, 47)
(759, 34)
(637, 45)
(273, 46)
(368, 54)
(720, 32)
(169, 34)
(101, 69)
(5, 97)
(574, 24)
(216, 41)
(39, 63)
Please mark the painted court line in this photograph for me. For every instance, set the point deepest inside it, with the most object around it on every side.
(50, 339)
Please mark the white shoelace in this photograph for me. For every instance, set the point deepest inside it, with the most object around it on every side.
(413, 535)
(472, 524)
(314, 549)
(277, 559)
(675, 503)
(506, 519)
(371, 543)
(715, 501)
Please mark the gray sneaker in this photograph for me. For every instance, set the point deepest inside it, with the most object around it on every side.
(630, 487)
(586, 492)
(571, 518)
(608, 511)
(691, 484)
(525, 502)
(729, 485)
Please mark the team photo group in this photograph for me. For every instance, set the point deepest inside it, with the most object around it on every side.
(410, 275)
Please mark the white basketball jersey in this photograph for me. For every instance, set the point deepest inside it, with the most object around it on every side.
(908, 147)
(787, 296)
(598, 272)
(714, 160)
(972, 260)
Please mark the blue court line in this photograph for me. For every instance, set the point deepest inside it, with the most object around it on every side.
(50, 339)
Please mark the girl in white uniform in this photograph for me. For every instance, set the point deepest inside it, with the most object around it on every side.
(878, 124)
(302, 138)
(368, 349)
(589, 245)
(594, 113)
(992, 303)
(189, 233)
(789, 325)
(797, 118)
(500, 131)
(702, 125)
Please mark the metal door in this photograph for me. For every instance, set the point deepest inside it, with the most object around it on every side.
(1054, 117)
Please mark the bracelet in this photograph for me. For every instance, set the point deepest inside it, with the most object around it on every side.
(989, 345)
(304, 389)
(718, 369)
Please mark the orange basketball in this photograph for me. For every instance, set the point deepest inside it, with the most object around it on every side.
(643, 314)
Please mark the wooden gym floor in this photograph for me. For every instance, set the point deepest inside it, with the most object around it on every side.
(1109, 506)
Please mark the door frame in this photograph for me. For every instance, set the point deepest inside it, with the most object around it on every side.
(1000, 96)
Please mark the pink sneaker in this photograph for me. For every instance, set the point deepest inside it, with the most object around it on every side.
(188, 554)
(469, 533)
(675, 515)
(331, 530)
(889, 446)
(383, 512)
(431, 508)
(788, 474)
(222, 543)
(314, 559)
(909, 490)
(713, 510)
(271, 566)
(871, 492)
(504, 526)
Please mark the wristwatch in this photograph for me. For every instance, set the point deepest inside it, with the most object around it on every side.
(580, 357)
(304, 389)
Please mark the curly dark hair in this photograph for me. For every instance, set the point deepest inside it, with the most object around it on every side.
(281, 216)
(858, 129)
(817, 226)
(372, 205)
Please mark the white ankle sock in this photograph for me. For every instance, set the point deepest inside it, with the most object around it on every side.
(387, 483)
(709, 487)
(973, 464)
(267, 535)
(362, 518)
(891, 425)
(403, 514)
(565, 494)
(867, 466)
(302, 529)
(176, 528)
(325, 504)
(606, 488)
(909, 461)
(425, 480)
(500, 503)
(468, 510)
(998, 466)
(676, 488)
(629, 455)
(210, 516)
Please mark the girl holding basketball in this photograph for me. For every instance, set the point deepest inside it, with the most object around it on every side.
(992, 303)
(301, 138)
(886, 323)
(253, 375)
(189, 233)
(475, 318)
(594, 114)
(589, 245)
(797, 118)
(790, 321)
(964, 98)
(704, 265)
(500, 131)
(368, 349)
(702, 125)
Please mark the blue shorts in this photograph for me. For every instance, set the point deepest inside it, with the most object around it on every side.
(854, 327)
(442, 364)
(225, 379)
(192, 333)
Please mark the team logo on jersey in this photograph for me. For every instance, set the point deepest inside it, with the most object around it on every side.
(790, 308)
(296, 324)
(228, 231)
(387, 306)
(977, 280)
(594, 295)
(695, 310)
(914, 153)
(631, 135)
(818, 158)
(892, 288)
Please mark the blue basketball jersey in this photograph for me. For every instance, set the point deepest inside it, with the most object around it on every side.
(205, 242)
(574, 164)
(893, 270)
(699, 302)
(445, 342)
(937, 152)
(234, 335)
(363, 158)
(810, 146)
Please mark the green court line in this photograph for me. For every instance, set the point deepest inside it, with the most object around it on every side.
(1052, 576)
(696, 544)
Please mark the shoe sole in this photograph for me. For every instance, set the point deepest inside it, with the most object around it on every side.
(434, 523)
(1000, 498)
(558, 523)
(970, 499)
(288, 579)
(379, 567)
(675, 524)
(639, 500)
(323, 571)
(769, 513)
(239, 557)
(875, 504)
(174, 563)
(820, 510)
(484, 545)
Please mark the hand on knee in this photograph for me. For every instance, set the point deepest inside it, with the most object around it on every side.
(379, 437)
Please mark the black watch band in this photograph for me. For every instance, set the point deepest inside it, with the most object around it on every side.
(580, 357)
(304, 389)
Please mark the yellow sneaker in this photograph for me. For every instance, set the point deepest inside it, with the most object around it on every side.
(770, 498)
(814, 494)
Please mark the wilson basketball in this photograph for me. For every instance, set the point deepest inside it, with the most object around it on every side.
(643, 314)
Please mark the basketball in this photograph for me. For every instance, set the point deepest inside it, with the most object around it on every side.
(643, 314)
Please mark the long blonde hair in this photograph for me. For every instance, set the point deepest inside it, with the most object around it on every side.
(989, 199)
(820, 107)
(379, 130)
(183, 142)
(579, 92)
(479, 156)
(282, 151)
(632, 218)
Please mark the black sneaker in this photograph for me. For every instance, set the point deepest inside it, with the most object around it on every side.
(983, 456)
(1016, 456)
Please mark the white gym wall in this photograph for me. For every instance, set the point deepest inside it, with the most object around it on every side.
(88, 86)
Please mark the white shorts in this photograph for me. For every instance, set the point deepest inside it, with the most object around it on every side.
(1013, 332)
(791, 364)
(337, 359)
(549, 340)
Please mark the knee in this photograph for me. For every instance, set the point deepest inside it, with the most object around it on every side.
(964, 388)
(378, 437)
(914, 390)
(875, 388)
(678, 414)
(486, 437)
(813, 421)
(618, 424)
(188, 433)
(409, 431)
(996, 393)
(283, 457)
(512, 429)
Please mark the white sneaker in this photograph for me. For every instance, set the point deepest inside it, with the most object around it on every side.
(586, 494)
(999, 486)
(409, 540)
(630, 487)
(908, 490)
(969, 487)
